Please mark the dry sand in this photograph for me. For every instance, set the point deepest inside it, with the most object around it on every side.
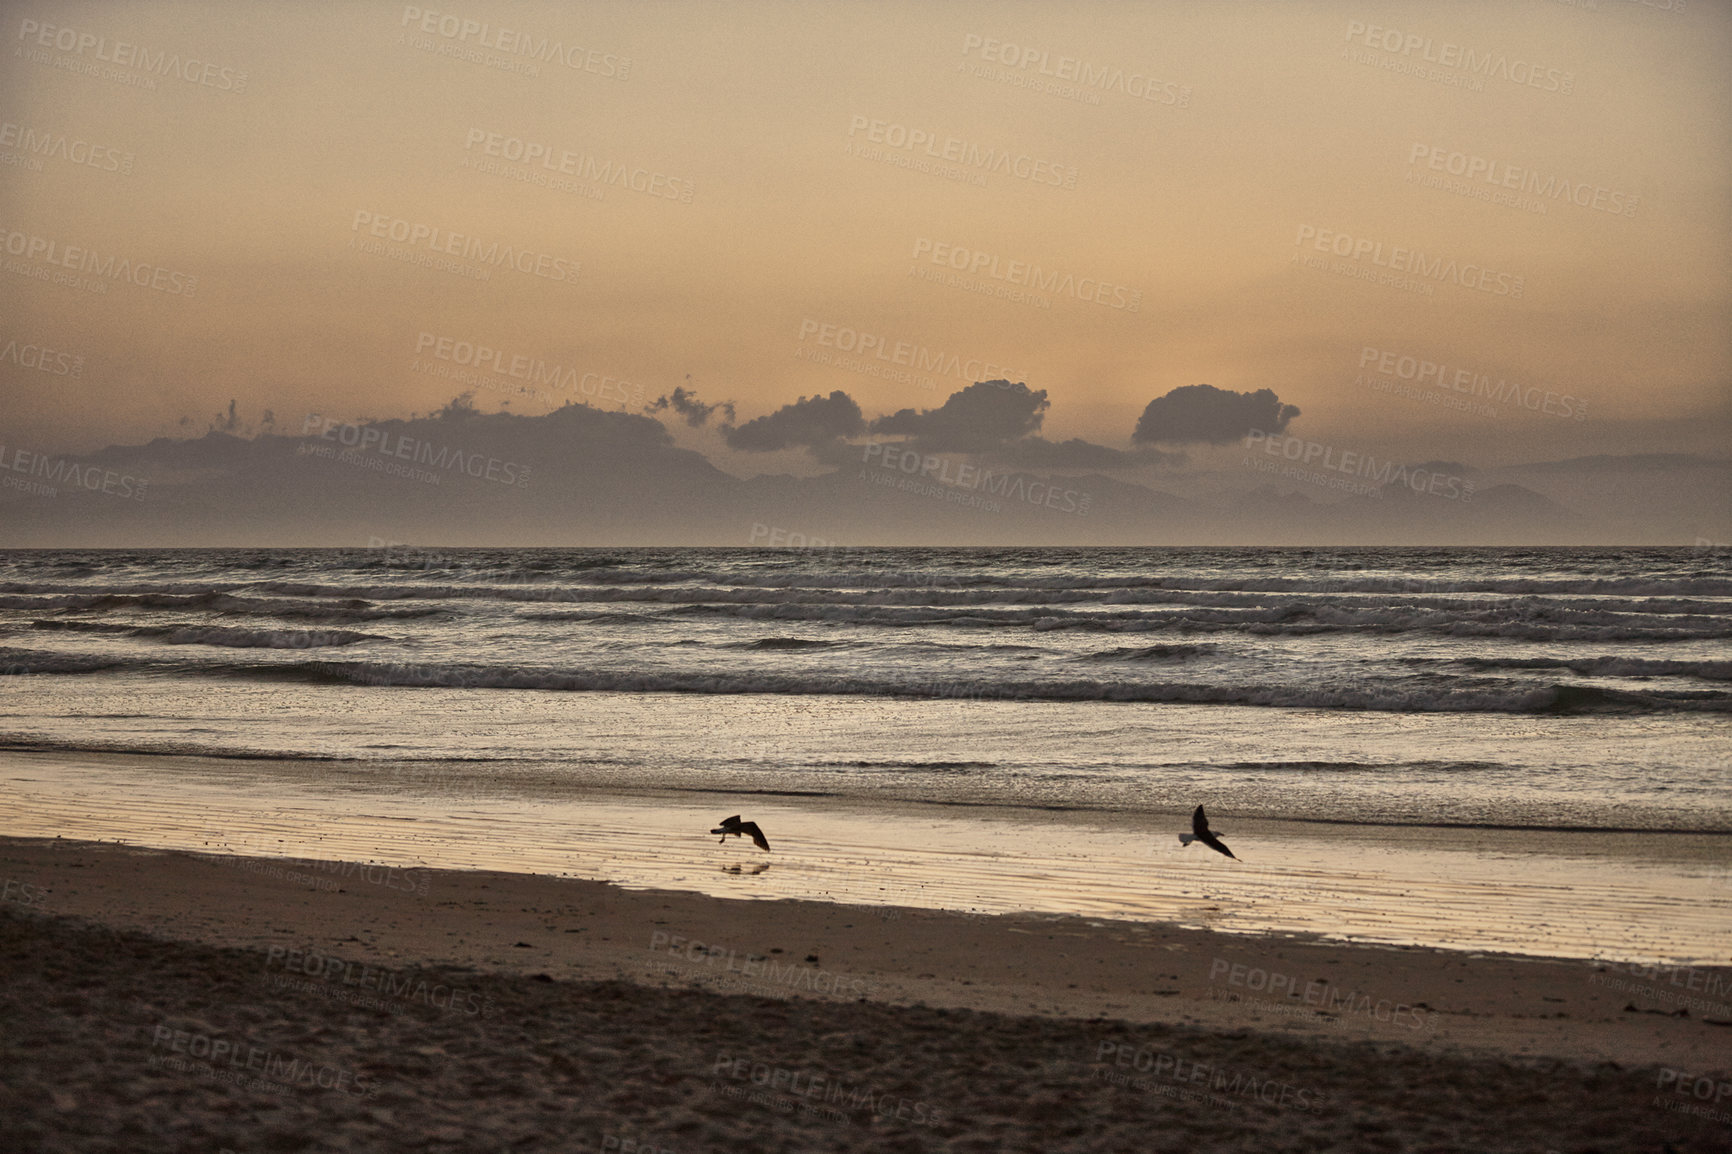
(166, 1001)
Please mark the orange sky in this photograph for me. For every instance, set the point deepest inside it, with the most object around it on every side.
(771, 143)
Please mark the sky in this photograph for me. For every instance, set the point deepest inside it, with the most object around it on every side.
(1484, 236)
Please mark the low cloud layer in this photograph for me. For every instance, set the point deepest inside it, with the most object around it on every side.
(815, 423)
(986, 415)
(1203, 414)
(587, 476)
(998, 419)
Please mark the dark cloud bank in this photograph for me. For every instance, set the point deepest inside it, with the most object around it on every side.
(974, 470)
(1203, 414)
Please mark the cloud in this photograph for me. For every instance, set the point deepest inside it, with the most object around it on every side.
(1000, 419)
(814, 422)
(686, 404)
(986, 415)
(587, 476)
(1193, 414)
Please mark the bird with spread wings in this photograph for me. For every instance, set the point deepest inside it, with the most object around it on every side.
(733, 825)
(1200, 831)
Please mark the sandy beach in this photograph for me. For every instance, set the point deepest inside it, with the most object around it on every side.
(164, 1000)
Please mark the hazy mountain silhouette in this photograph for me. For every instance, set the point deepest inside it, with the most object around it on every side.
(580, 476)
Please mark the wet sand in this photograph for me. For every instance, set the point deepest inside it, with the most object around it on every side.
(1623, 896)
(164, 1000)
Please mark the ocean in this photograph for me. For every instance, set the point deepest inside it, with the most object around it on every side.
(495, 699)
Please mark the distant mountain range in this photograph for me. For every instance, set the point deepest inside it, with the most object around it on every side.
(585, 476)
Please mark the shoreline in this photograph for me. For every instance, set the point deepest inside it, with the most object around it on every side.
(156, 991)
(1629, 897)
(436, 774)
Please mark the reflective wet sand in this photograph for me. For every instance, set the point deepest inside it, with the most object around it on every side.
(1622, 896)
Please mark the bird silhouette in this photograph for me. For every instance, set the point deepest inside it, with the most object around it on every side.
(1200, 832)
(733, 825)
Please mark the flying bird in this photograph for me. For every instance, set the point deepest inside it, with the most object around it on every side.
(733, 825)
(1200, 832)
